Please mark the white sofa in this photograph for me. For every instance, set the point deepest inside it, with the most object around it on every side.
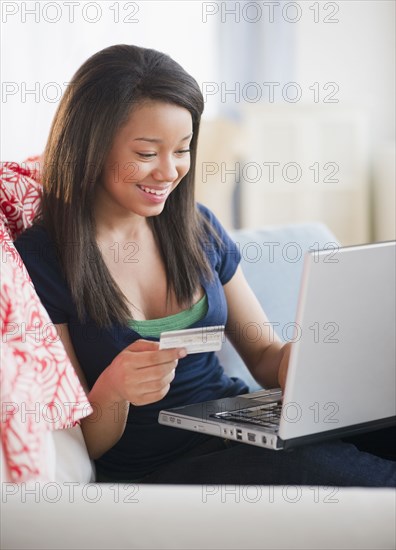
(191, 517)
(73, 513)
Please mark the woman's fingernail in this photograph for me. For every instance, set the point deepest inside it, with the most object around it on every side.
(182, 353)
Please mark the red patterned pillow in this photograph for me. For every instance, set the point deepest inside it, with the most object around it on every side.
(40, 390)
(19, 197)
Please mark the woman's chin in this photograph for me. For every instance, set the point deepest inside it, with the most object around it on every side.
(149, 210)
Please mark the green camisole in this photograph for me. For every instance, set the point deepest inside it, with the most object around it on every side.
(178, 321)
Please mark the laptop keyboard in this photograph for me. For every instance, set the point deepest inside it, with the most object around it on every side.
(266, 416)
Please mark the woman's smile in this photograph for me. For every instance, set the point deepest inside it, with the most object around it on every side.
(149, 158)
(155, 194)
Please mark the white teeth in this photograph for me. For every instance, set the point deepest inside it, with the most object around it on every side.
(148, 190)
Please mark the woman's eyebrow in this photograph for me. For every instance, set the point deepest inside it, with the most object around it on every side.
(157, 140)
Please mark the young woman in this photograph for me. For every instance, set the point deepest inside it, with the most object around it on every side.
(121, 252)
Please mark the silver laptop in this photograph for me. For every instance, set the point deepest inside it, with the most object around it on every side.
(341, 378)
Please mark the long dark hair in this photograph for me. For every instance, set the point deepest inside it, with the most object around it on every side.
(97, 102)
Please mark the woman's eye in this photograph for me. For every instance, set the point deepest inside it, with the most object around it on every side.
(146, 155)
(151, 155)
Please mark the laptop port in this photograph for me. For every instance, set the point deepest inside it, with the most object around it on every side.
(264, 439)
(239, 434)
(251, 437)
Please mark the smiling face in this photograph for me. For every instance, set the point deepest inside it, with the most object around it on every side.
(148, 159)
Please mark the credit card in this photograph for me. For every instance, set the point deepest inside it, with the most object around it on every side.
(194, 340)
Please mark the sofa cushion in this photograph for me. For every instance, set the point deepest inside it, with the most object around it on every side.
(272, 261)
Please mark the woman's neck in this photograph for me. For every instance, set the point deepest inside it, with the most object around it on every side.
(112, 221)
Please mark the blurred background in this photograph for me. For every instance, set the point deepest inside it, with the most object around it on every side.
(299, 121)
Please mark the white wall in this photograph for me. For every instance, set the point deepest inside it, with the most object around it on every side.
(36, 52)
(358, 53)
(346, 47)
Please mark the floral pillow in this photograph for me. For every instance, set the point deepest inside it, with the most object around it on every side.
(39, 388)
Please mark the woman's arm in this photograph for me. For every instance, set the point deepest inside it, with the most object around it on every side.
(250, 332)
(140, 374)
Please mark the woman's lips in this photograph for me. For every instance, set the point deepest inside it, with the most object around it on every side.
(153, 197)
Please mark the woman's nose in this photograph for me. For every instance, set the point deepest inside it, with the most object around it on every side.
(165, 170)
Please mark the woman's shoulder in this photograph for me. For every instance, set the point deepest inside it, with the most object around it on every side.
(212, 225)
(35, 246)
(36, 233)
(39, 255)
(222, 252)
(206, 212)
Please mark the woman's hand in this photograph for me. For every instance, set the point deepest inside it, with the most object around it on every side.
(283, 365)
(142, 373)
